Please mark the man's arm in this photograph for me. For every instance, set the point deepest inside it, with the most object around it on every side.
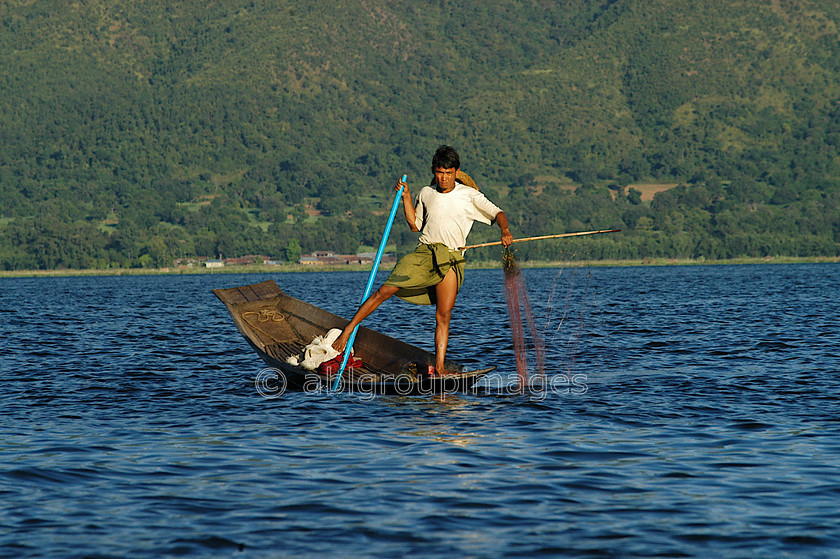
(501, 219)
(408, 206)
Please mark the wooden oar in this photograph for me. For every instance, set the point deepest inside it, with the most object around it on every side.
(522, 240)
(369, 286)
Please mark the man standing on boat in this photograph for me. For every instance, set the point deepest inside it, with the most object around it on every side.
(432, 274)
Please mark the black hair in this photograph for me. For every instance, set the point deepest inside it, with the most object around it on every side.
(446, 158)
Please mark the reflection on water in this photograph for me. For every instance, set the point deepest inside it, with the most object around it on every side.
(441, 436)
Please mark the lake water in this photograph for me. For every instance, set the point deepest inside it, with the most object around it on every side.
(689, 412)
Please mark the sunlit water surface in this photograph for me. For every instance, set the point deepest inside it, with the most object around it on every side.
(690, 411)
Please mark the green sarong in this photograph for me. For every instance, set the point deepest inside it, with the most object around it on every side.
(417, 273)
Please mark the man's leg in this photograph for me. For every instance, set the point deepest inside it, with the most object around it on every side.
(446, 292)
(371, 303)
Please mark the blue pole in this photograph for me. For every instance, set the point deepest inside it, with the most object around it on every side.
(369, 286)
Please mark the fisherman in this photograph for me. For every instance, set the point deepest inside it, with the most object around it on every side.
(444, 214)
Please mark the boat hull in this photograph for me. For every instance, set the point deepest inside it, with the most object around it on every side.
(278, 326)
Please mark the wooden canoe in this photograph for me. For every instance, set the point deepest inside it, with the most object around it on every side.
(278, 326)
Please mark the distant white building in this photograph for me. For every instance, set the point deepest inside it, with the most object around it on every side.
(321, 258)
(214, 263)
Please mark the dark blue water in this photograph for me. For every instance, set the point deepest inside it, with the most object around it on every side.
(692, 412)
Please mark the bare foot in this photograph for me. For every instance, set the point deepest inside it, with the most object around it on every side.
(434, 372)
(340, 342)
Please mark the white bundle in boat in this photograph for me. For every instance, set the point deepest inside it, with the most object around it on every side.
(317, 352)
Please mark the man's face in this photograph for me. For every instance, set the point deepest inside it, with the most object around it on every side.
(445, 178)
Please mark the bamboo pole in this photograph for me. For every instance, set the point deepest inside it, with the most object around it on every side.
(522, 240)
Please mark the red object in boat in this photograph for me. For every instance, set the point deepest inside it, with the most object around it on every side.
(331, 367)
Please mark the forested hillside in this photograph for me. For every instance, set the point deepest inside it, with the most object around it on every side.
(136, 133)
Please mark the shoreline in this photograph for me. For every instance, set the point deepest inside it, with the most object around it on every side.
(476, 265)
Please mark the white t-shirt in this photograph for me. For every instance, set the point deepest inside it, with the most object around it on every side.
(447, 218)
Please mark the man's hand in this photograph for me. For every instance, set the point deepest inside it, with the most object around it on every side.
(507, 238)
